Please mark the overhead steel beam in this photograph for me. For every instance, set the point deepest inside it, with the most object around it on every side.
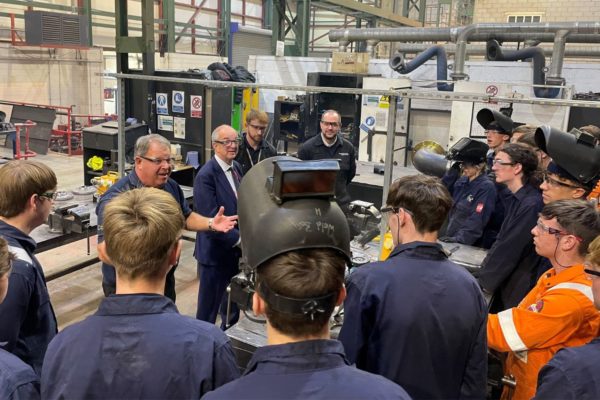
(379, 13)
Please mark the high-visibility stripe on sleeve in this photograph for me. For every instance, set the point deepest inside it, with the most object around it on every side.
(509, 330)
(580, 287)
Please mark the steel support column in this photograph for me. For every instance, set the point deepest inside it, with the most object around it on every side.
(85, 8)
(224, 23)
(299, 24)
(144, 45)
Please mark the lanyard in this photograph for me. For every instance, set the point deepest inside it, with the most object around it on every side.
(250, 157)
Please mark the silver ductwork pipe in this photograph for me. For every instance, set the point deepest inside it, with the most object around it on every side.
(480, 49)
(468, 33)
(406, 34)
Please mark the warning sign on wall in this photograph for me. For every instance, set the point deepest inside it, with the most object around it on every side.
(195, 106)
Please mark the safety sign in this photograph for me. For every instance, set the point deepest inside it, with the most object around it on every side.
(178, 101)
(195, 106)
(162, 104)
(165, 123)
(179, 128)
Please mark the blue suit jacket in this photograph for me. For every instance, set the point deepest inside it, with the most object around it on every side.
(212, 190)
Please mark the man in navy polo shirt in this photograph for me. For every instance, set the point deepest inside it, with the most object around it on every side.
(153, 166)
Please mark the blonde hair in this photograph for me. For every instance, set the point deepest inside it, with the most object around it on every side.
(5, 258)
(141, 226)
(594, 251)
(258, 115)
(21, 179)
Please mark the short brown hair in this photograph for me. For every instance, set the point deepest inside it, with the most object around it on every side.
(257, 114)
(141, 226)
(425, 197)
(21, 179)
(6, 257)
(578, 217)
(302, 274)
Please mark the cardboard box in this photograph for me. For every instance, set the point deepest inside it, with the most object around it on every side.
(356, 63)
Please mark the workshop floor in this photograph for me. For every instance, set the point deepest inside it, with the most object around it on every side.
(77, 295)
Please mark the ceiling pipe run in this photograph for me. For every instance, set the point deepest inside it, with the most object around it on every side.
(571, 51)
(528, 30)
(345, 36)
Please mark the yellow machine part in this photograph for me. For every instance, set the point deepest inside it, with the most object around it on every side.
(249, 101)
(102, 183)
(387, 247)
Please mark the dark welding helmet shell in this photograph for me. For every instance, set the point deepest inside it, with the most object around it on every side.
(578, 155)
(468, 150)
(495, 120)
(268, 229)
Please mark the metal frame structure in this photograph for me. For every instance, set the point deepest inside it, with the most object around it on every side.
(391, 124)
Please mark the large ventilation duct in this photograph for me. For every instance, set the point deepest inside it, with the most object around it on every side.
(528, 31)
(505, 34)
(481, 49)
(496, 53)
(398, 64)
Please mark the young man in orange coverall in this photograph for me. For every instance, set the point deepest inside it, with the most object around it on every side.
(559, 311)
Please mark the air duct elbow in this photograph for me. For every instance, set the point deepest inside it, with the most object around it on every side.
(398, 64)
(494, 52)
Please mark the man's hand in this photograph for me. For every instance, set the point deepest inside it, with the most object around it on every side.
(223, 223)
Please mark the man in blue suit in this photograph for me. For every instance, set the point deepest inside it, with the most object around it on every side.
(218, 253)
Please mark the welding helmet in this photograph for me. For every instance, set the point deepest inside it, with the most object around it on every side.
(577, 154)
(285, 204)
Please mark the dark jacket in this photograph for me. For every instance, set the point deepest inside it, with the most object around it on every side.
(343, 150)
(473, 206)
(420, 320)
(314, 369)
(510, 267)
(17, 379)
(572, 374)
(247, 157)
(27, 320)
(124, 184)
(137, 346)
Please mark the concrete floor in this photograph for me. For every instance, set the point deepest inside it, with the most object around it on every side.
(77, 295)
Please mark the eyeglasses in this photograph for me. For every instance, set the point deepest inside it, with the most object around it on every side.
(332, 124)
(235, 142)
(49, 195)
(588, 269)
(158, 161)
(500, 162)
(555, 182)
(258, 127)
(553, 231)
(386, 211)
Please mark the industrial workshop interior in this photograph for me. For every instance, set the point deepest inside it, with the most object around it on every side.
(298, 199)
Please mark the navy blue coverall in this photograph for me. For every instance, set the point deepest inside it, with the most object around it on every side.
(17, 379)
(510, 267)
(124, 184)
(314, 369)
(137, 346)
(474, 203)
(420, 320)
(27, 320)
(572, 374)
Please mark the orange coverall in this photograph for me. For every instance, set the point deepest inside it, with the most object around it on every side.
(558, 312)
